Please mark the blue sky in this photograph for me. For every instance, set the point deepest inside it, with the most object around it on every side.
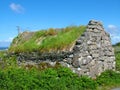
(34, 15)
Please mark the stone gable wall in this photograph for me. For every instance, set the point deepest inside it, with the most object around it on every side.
(93, 52)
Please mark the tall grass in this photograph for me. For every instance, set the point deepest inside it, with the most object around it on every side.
(117, 55)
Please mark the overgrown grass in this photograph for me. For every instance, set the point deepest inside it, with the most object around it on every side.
(48, 40)
(117, 55)
(3, 53)
(108, 79)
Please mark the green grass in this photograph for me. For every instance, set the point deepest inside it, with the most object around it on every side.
(48, 40)
(2, 53)
(108, 79)
(117, 55)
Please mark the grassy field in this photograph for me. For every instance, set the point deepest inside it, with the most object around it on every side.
(47, 40)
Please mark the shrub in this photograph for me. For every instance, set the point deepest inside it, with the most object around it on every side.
(48, 79)
(109, 77)
(117, 55)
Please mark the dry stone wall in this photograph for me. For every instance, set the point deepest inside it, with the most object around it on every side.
(93, 52)
(91, 55)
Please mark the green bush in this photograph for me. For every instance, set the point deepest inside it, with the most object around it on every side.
(117, 55)
(108, 77)
(16, 79)
(49, 79)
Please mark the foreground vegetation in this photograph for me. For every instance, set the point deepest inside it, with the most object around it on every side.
(49, 79)
(28, 77)
(47, 40)
(117, 54)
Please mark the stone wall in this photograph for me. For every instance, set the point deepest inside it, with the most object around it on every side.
(91, 54)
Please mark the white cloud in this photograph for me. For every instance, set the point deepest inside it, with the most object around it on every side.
(6, 43)
(114, 30)
(17, 8)
(7, 40)
(115, 38)
(112, 27)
